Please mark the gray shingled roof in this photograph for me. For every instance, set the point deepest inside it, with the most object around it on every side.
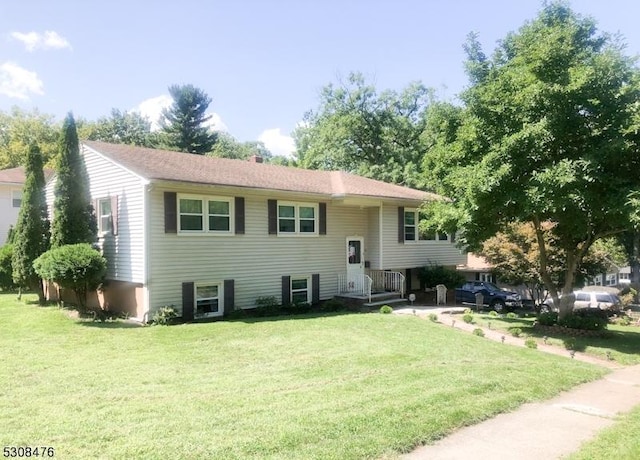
(154, 164)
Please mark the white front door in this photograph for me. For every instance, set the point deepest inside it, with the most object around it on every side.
(355, 262)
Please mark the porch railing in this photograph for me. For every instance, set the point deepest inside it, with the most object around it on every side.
(355, 284)
(388, 281)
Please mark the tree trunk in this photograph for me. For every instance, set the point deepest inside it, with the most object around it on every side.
(37, 286)
(635, 259)
(567, 301)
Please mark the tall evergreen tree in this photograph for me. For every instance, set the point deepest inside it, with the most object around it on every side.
(74, 219)
(31, 235)
(184, 122)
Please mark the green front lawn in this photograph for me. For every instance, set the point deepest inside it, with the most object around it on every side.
(622, 343)
(342, 386)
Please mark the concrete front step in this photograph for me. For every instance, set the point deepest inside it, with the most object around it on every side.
(391, 302)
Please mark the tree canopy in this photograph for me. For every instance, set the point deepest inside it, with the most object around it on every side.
(120, 127)
(184, 123)
(355, 129)
(74, 219)
(19, 129)
(548, 134)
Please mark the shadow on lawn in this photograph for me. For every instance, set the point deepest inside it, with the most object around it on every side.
(118, 324)
(625, 342)
(299, 316)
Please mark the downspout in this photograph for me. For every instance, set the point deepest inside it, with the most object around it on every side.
(146, 190)
(380, 238)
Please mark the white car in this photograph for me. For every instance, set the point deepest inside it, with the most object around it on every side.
(590, 299)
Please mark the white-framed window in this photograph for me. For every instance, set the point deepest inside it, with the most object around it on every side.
(205, 214)
(297, 218)
(16, 198)
(105, 222)
(412, 231)
(486, 277)
(300, 289)
(611, 279)
(208, 299)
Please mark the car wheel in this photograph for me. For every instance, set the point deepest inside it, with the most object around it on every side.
(498, 306)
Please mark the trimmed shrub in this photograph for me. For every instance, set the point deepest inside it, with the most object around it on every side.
(479, 332)
(266, 306)
(433, 317)
(386, 309)
(530, 342)
(590, 319)
(493, 313)
(512, 315)
(516, 331)
(332, 305)
(549, 318)
(6, 270)
(467, 318)
(569, 343)
(78, 267)
(164, 316)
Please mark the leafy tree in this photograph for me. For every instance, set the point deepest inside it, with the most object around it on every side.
(515, 256)
(184, 123)
(78, 267)
(227, 146)
(31, 234)
(548, 135)
(19, 129)
(355, 129)
(74, 219)
(120, 128)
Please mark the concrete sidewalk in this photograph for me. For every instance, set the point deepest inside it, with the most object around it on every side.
(539, 431)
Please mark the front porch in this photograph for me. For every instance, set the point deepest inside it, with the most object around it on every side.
(377, 288)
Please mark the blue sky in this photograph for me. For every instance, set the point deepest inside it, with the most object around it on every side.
(262, 62)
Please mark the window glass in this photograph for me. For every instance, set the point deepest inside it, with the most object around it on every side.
(219, 207)
(219, 218)
(582, 297)
(190, 206)
(443, 237)
(104, 215)
(16, 198)
(306, 212)
(307, 226)
(191, 222)
(299, 283)
(207, 300)
(603, 298)
(409, 233)
(354, 252)
(410, 218)
(286, 211)
(287, 226)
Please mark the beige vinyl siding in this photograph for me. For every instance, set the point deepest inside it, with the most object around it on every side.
(414, 254)
(372, 242)
(8, 214)
(125, 251)
(256, 260)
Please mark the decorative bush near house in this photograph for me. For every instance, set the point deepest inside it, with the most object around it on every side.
(164, 316)
(6, 271)
(478, 331)
(432, 275)
(512, 315)
(433, 317)
(467, 318)
(78, 267)
(569, 343)
(530, 342)
(386, 309)
(548, 318)
(590, 319)
(493, 313)
(516, 332)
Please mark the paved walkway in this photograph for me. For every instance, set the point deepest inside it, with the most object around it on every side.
(537, 431)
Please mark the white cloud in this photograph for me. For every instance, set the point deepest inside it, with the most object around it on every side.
(152, 109)
(278, 143)
(18, 83)
(50, 39)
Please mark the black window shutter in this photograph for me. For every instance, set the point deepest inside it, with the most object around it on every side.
(315, 288)
(407, 280)
(272, 208)
(188, 301)
(286, 290)
(114, 214)
(239, 211)
(323, 219)
(170, 212)
(400, 224)
(229, 296)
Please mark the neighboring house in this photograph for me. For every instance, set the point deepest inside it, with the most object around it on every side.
(210, 235)
(615, 276)
(476, 268)
(11, 183)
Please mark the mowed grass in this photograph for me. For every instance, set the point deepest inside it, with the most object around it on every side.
(622, 343)
(619, 442)
(342, 386)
